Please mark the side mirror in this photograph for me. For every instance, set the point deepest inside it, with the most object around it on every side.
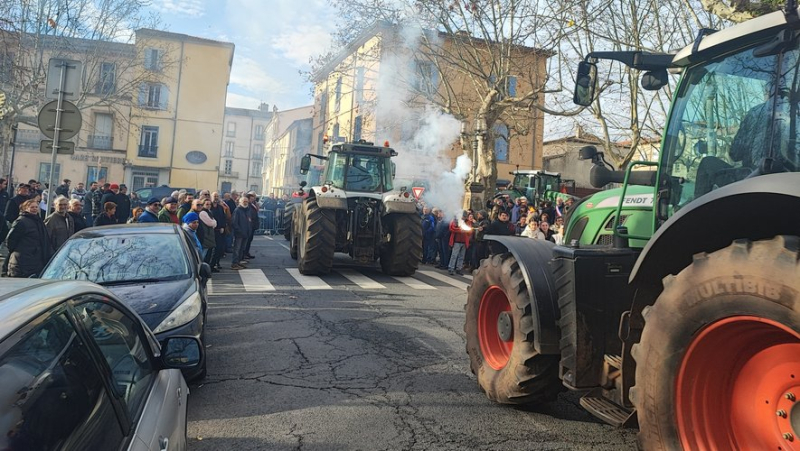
(655, 79)
(585, 83)
(587, 153)
(205, 270)
(394, 169)
(303, 184)
(180, 352)
(601, 176)
(305, 164)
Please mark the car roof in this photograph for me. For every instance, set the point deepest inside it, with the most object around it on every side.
(128, 229)
(22, 300)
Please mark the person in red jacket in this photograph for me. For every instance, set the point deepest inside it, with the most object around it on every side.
(460, 233)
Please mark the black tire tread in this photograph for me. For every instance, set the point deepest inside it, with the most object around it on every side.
(401, 256)
(320, 241)
(529, 377)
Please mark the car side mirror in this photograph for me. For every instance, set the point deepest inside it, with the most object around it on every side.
(303, 184)
(180, 352)
(205, 270)
(585, 84)
(305, 164)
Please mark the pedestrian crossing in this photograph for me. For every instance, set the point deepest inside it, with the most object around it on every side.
(287, 279)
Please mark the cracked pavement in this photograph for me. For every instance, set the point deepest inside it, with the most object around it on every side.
(355, 369)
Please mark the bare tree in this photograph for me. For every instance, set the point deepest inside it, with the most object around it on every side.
(100, 33)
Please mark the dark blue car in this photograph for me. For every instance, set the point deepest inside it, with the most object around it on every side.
(153, 268)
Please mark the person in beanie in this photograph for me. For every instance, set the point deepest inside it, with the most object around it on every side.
(150, 214)
(169, 214)
(28, 244)
(191, 221)
(110, 195)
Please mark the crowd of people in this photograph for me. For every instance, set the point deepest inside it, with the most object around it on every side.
(33, 231)
(457, 244)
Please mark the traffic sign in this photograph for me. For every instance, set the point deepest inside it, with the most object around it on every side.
(417, 191)
(70, 85)
(70, 120)
(64, 147)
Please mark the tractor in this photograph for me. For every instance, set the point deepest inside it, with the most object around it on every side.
(685, 321)
(354, 210)
(539, 186)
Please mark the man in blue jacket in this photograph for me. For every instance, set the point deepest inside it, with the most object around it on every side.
(150, 213)
(428, 236)
(442, 235)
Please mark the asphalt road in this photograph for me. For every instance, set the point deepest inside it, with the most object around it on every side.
(357, 360)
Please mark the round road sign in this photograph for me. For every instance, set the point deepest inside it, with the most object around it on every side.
(70, 120)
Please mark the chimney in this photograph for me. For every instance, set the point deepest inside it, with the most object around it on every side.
(263, 107)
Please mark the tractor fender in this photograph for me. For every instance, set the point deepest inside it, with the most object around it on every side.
(332, 198)
(755, 208)
(533, 258)
(397, 203)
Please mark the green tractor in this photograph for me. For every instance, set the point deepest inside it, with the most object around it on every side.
(685, 317)
(538, 186)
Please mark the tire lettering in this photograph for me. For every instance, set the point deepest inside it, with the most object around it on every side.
(736, 285)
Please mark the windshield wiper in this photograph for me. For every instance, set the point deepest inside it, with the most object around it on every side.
(128, 282)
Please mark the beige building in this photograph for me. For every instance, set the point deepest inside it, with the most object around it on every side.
(349, 105)
(177, 117)
(242, 156)
(152, 112)
(288, 138)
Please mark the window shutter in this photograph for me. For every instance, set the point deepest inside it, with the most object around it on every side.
(512, 86)
(148, 59)
(163, 98)
(143, 94)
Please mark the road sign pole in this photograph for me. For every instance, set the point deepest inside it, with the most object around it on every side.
(11, 186)
(56, 131)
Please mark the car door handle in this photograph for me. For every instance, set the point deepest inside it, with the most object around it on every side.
(164, 442)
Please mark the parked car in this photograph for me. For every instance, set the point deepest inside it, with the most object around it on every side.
(159, 192)
(153, 268)
(81, 371)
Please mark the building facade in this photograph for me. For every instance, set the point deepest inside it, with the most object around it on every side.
(242, 155)
(177, 116)
(288, 138)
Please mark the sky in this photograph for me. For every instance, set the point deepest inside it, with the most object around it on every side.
(274, 40)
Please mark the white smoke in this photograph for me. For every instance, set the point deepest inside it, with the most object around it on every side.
(427, 134)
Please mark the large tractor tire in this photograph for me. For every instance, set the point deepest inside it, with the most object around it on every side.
(718, 365)
(499, 329)
(288, 211)
(316, 242)
(402, 254)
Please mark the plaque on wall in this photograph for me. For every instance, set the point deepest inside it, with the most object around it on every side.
(196, 157)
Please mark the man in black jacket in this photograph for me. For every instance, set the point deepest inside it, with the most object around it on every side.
(76, 212)
(109, 194)
(12, 208)
(255, 221)
(123, 205)
(241, 233)
(63, 189)
(499, 226)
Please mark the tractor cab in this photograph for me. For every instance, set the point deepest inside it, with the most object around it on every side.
(359, 166)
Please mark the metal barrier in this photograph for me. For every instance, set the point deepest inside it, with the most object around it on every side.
(270, 222)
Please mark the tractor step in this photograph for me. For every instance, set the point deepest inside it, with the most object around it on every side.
(615, 361)
(599, 406)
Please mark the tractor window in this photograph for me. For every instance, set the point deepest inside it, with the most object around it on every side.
(364, 173)
(722, 125)
(335, 173)
(521, 181)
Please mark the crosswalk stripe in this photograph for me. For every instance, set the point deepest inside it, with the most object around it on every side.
(360, 280)
(308, 282)
(255, 280)
(445, 279)
(468, 276)
(210, 287)
(415, 284)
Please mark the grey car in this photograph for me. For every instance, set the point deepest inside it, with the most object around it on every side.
(81, 371)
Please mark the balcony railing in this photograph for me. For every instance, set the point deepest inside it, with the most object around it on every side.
(229, 174)
(148, 151)
(258, 156)
(101, 142)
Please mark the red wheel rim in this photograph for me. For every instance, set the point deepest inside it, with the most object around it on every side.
(738, 387)
(495, 350)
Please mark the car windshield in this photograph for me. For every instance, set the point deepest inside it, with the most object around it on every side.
(115, 259)
(734, 117)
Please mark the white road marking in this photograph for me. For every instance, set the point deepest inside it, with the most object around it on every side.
(255, 280)
(415, 284)
(360, 279)
(445, 279)
(468, 276)
(210, 287)
(308, 282)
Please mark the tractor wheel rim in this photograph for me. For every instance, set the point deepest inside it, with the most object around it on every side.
(495, 350)
(738, 385)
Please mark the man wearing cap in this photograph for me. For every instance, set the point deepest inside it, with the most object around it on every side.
(169, 214)
(123, 205)
(110, 195)
(150, 213)
(191, 221)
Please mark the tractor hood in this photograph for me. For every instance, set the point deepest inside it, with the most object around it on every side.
(591, 220)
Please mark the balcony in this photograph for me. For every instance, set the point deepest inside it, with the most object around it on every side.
(229, 174)
(258, 156)
(100, 142)
(148, 151)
